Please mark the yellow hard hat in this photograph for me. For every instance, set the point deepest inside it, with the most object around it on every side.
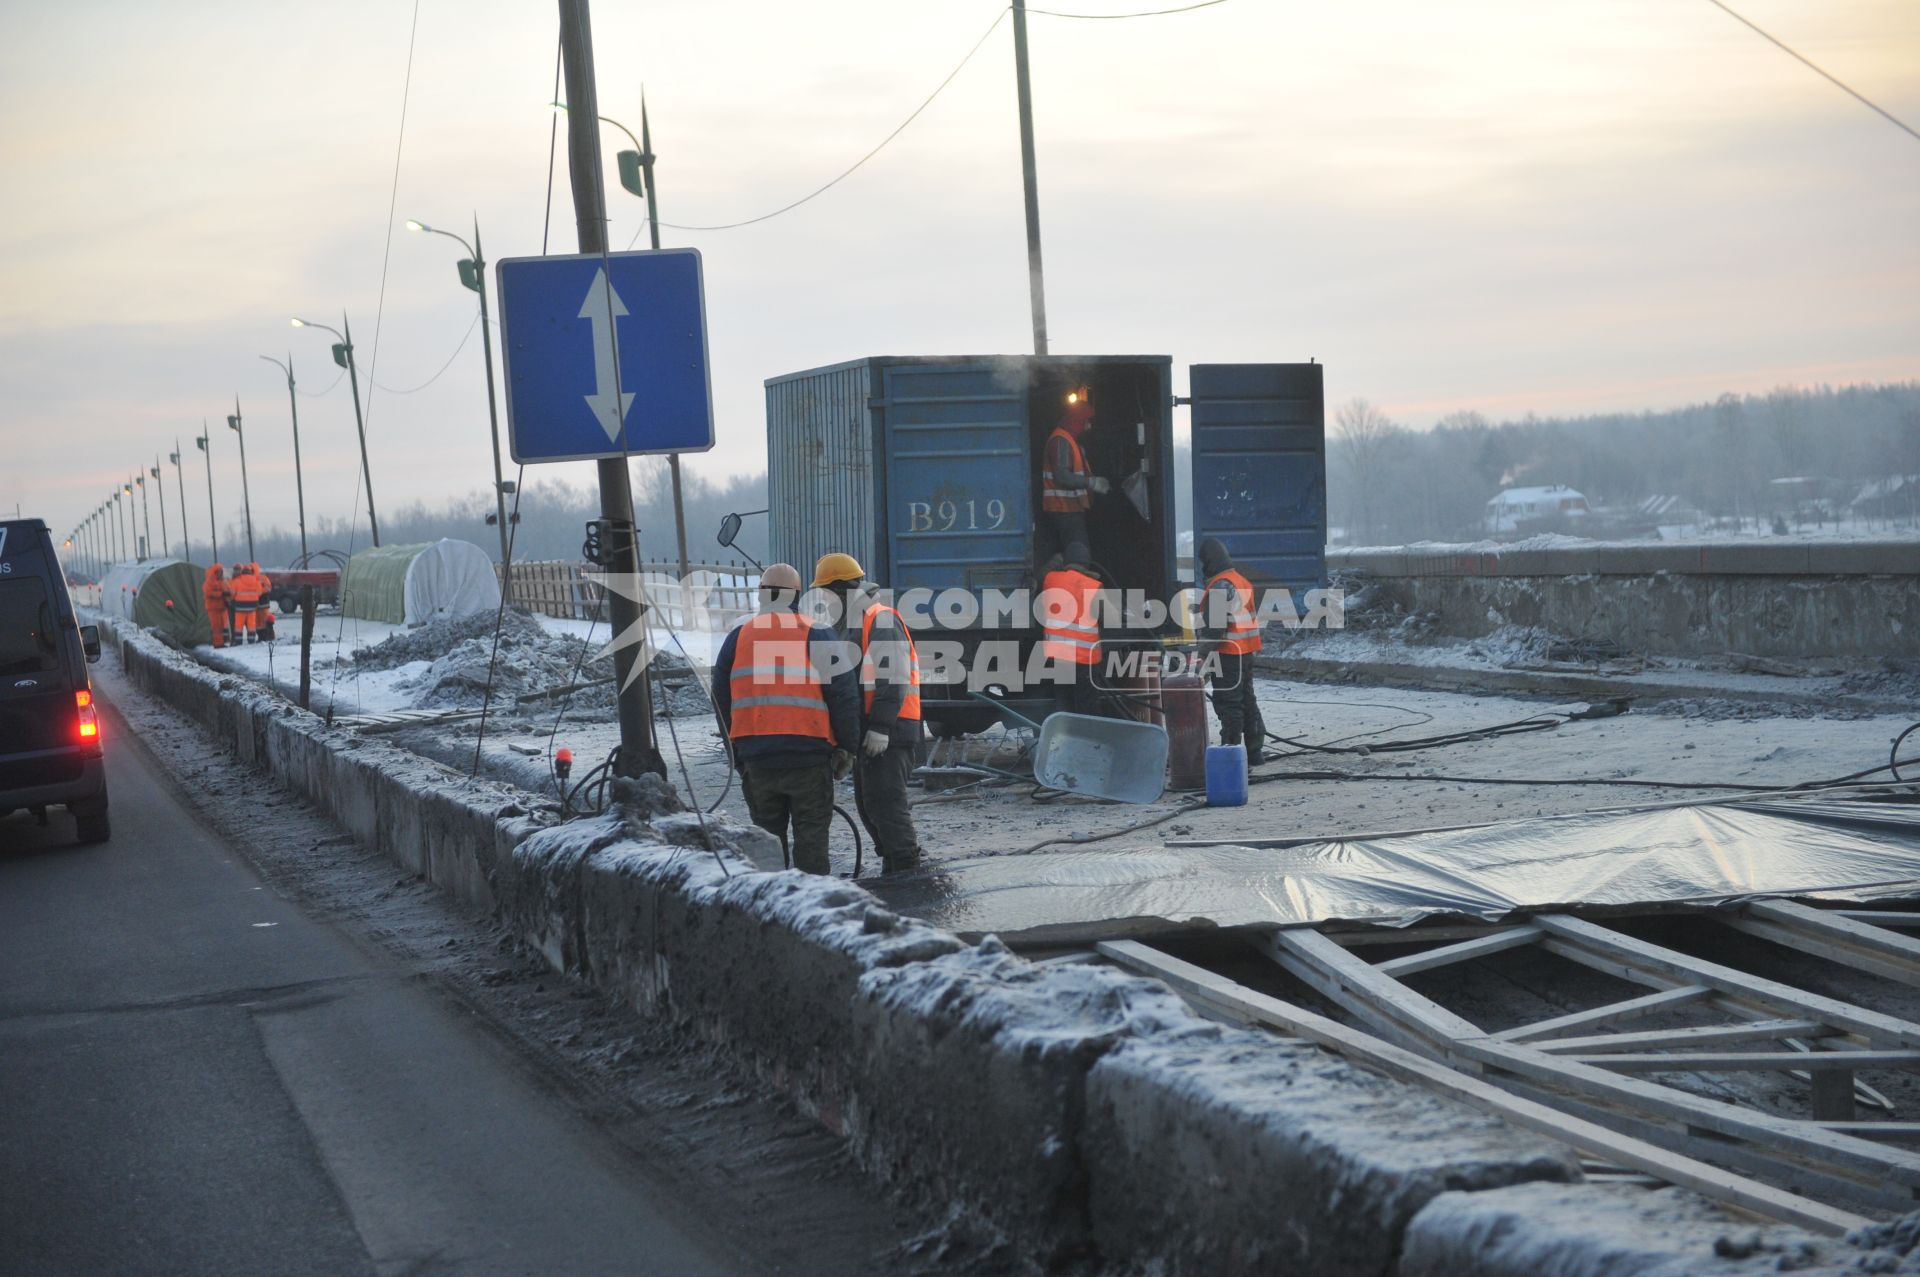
(836, 567)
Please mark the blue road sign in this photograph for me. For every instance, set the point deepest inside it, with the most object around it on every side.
(604, 356)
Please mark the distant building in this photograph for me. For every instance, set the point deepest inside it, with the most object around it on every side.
(1535, 509)
(1897, 495)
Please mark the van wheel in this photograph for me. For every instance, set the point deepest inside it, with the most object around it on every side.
(90, 820)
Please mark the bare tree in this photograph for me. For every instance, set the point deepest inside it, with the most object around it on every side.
(1362, 435)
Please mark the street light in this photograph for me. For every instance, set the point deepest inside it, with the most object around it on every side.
(160, 490)
(180, 477)
(246, 496)
(146, 514)
(473, 275)
(636, 174)
(343, 355)
(293, 408)
(201, 442)
(120, 519)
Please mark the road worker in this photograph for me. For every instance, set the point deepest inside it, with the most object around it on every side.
(1071, 629)
(791, 709)
(214, 592)
(265, 619)
(244, 586)
(890, 709)
(1231, 634)
(1067, 484)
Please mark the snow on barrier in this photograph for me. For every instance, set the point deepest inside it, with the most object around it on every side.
(1086, 1115)
(1794, 600)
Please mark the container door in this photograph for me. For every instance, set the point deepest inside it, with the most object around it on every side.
(957, 481)
(1260, 469)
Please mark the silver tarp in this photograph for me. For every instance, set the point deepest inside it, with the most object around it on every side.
(1834, 848)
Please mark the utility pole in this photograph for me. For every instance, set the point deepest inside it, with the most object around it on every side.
(479, 285)
(1036, 277)
(246, 496)
(473, 277)
(160, 491)
(120, 521)
(653, 238)
(205, 444)
(293, 410)
(359, 420)
(638, 751)
(343, 355)
(146, 516)
(180, 474)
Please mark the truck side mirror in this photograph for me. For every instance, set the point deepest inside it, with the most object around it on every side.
(729, 529)
(90, 642)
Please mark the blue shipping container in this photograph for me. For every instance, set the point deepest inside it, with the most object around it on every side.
(926, 469)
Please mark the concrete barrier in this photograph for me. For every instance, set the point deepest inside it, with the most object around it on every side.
(1843, 601)
(1085, 1115)
(1549, 1230)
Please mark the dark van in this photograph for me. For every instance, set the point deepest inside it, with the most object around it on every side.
(49, 730)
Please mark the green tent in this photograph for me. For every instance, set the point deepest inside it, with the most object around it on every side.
(414, 584)
(159, 594)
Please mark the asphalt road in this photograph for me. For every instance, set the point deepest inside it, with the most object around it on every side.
(197, 1078)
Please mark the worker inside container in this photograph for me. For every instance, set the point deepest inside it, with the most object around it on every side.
(1103, 419)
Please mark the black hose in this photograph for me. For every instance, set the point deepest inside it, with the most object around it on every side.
(858, 847)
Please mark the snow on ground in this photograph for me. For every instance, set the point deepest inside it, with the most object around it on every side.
(366, 667)
(1695, 744)
(1876, 530)
(1751, 741)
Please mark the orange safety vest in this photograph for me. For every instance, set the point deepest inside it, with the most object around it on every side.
(213, 590)
(775, 689)
(1243, 632)
(1055, 498)
(910, 707)
(246, 589)
(1075, 636)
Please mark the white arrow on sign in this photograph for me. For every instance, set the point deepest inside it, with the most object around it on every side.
(601, 308)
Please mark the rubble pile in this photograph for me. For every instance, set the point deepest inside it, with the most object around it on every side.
(460, 655)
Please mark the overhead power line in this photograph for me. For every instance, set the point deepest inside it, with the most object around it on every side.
(1782, 45)
(414, 390)
(1145, 13)
(898, 129)
(901, 127)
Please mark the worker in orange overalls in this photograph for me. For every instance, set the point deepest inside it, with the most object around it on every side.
(245, 585)
(1067, 483)
(792, 717)
(264, 620)
(1071, 628)
(215, 593)
(1231, 632)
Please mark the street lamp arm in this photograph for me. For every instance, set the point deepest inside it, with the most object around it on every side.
(285, 368)
(435, 230)
(308, 323)
(561, 106)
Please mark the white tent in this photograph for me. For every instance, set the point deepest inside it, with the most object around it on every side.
(414, 584)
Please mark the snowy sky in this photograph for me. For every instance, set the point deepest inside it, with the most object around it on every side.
(1497, 204)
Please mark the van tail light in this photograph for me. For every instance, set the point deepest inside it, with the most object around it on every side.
(89, 719)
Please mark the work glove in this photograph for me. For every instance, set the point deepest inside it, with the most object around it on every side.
(842, 764)
(875, 744)
(1100, 486)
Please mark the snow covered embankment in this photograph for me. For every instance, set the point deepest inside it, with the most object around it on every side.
(1084, 1114)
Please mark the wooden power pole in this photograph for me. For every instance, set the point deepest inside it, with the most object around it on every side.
(638, 751)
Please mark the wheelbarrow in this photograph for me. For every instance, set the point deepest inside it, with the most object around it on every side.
(1112, 758)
